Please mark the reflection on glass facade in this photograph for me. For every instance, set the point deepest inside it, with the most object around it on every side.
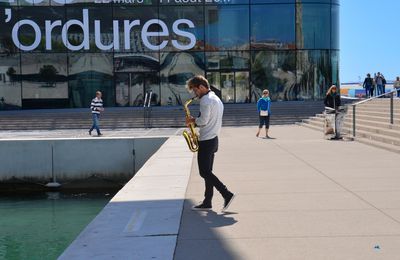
(57, 53)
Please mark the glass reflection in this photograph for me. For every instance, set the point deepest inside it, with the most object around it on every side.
(44, 76)
(10, 84)
(132, 88)
(335, 34)
(273, 27)
(126, 62)
(313, 75)
(6, 42)
(242, 87)
(169, 14)
(135, 44)
(27, 34)
(87, 74)
(227, 27)
(79, 41)
(176, 69)
(313, 26)
(275, 71)
(227, 60)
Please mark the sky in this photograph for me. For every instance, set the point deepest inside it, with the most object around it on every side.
(369, 39)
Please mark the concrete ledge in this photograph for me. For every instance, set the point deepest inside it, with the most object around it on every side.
(75, 159)
(142, 220)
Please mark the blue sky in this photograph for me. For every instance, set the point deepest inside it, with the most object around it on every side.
(369, 38)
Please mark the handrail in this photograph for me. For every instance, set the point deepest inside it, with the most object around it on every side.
(147, 109)
(391, 93)
(372, 98)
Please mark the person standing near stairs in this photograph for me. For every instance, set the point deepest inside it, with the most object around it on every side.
(368, 85)
(97, 107)
(396, 86)
(264, 111)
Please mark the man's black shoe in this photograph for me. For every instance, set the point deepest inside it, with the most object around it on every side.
(227, 201)
(202, 206)
(90, 132)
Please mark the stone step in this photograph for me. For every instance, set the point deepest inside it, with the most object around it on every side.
(376, 137)
(367, 141)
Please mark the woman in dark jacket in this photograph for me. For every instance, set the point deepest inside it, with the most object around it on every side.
(369, 86)
(332, 98)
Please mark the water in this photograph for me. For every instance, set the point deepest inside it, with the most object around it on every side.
(41, 226)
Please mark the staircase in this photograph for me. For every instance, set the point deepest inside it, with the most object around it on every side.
(288, 112)
(372, 124)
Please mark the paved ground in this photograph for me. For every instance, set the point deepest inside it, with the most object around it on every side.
(298, 197)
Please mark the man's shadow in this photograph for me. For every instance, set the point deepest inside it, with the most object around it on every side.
(214, 219)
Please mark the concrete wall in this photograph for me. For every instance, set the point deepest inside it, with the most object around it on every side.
(74, 159)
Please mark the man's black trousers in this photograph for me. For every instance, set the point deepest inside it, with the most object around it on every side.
(205, 159)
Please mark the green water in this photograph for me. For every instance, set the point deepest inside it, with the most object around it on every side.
(41, 226)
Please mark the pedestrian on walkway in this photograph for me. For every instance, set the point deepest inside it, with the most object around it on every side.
(368, 85)
(264, 112)
(332, 98)
(396, 86)
(209, 122)
(379, 83)
(97, 107)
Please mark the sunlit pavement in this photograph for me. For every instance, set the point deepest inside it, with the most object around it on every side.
(298, 197)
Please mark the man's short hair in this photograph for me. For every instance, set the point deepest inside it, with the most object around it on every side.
(98, 92)
(196, 81)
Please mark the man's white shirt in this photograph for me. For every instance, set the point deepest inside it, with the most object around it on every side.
(210, 119)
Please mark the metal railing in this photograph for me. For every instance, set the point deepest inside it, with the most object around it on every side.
(147, 109)
(391, 94)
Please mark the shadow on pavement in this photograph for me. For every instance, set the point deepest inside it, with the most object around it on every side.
(199, 236)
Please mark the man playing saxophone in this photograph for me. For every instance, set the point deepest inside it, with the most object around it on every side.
(209, 122)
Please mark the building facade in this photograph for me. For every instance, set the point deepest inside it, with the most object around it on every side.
(57, 53)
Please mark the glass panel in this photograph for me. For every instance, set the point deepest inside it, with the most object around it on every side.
(126, 62)
(225, 2)
(313, 75)
(215, 82)
(335, 67)
(272, 1)
(10, 84)
(152, 85)
(275, 71)
(313, 26)
(78, 40)
(44, 76)
(89, 73)
(6, 43)
(136, 95)
(314, 1)
(28, 37)
(242, 86)
(186, 36)
(335, 34)
(228, 87)
(34, 2)
(7, 3)
(273, 27)
(136, 43)
(176, 69)
(227, 28)
(228, 60)
(122, 83)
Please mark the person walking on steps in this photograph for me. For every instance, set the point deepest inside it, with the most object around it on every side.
(368, 85)
(209, 122)
(97, 107)
(264, 112)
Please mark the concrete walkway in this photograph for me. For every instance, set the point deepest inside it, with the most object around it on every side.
(298, 197)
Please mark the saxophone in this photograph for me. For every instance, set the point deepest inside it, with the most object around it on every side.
(192, 138)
